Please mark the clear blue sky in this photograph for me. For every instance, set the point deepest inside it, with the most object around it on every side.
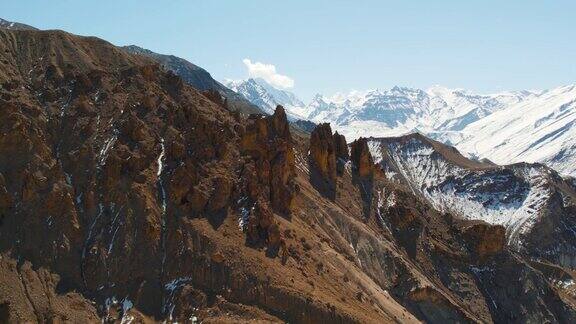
(330, 46)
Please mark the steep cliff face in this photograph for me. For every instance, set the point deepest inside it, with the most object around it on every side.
(268, 142)
(342, 155)
(362, 158)
(485, 239)
(127, 195)
(322, 159)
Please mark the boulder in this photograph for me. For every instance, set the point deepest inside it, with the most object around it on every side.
(261, 224)
(485, 239)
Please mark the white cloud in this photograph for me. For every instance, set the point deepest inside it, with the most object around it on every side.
(268, 73)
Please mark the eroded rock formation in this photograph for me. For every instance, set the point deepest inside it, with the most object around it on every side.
(322, 159)
(362, 163)
(342, 154)
(267, 178)
(268, 142)
(363, 172)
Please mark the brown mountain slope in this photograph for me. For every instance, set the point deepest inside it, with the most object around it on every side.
(128, 184)
(197, 77)
(125, 194)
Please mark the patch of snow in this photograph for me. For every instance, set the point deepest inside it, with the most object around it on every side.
(244, 213)
(115, 226)
(375, 150)
(126, 305)
(160, 162)
(512, 198)
(564, 284)
(127, 319)
(171, 288)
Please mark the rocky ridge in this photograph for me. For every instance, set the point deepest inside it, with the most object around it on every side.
(197, 77)
(533, 203)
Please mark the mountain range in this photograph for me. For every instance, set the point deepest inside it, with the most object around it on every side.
(507, 127)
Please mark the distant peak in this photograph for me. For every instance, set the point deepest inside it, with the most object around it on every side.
(15, 25)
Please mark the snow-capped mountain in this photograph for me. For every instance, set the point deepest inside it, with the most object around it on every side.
(507, 127)
(533, 203)
(542, 129)
(401, 110)
(262, 94)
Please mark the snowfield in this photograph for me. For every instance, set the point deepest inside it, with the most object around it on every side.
(538, 130)
(513, 196)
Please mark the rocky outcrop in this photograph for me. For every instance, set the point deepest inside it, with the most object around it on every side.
(263, 229)
(28, 295)
(363, 172)
(342, 155)
(434, 307)
(267, 141)
(267, 179)
(485, 239)
(362, 163)
(327, 157)
(322, 160)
